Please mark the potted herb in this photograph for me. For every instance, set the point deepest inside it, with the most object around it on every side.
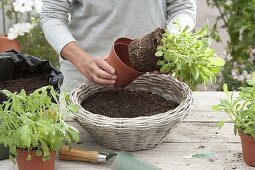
(186, 55)
(33, 126)
(22, 71)
(241, 110)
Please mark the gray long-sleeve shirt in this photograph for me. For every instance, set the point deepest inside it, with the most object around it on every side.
(95, 24)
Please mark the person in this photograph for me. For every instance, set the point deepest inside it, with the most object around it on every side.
(82, 31)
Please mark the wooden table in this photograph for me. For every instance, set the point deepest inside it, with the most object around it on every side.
(197, 134)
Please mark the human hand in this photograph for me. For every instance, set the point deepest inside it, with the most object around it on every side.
(95, 69)
(98, 71)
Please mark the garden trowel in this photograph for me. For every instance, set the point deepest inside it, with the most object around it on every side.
(122, 161)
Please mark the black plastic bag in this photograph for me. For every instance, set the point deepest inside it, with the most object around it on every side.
(13, 60)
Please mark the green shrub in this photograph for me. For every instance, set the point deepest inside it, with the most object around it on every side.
(238, 19)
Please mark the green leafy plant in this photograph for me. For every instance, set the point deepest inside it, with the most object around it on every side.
(36, 121)
(240, 109)
(188, 56)
(238, 19)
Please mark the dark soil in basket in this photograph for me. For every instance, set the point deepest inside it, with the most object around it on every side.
(123, 103)
(27, 81)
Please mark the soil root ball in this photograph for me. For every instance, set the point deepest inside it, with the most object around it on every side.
(142, 51)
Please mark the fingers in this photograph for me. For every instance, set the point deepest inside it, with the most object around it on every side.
(99, 72)
(102, 73)
(105, 57)
(104, 65)
(103, 81)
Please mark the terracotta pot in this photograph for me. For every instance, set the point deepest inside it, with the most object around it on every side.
(6, 44)
(248, 147)
(36, 162)
(119, 60)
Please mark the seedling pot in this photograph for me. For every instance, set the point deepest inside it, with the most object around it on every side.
(36, 162)
(120, 61)
(6, 44)
(248, 147)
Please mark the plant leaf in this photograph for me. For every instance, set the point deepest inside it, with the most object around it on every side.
(220, 124)
(225, 88)
(159, 53)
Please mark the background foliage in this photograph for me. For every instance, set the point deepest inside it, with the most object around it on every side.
(238, 17)
(21, 18)
(34, 43)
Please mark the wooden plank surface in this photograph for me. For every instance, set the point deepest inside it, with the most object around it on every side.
(197, 134)
(169, 156)
(204, 100)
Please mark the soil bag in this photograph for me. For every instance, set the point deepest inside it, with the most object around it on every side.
(22, 71)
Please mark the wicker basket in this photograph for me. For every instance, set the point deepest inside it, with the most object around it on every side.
(137, 133)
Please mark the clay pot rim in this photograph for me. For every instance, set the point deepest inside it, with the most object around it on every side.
(30, 151)
(25, 152)
(123, 40)
(246, 137)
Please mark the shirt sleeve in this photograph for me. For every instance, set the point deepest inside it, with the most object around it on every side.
(54, 23)
(182, 10)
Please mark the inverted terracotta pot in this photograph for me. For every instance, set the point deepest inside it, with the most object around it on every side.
(119, 60)
(6, 44)
(248, 147)
(36, 162)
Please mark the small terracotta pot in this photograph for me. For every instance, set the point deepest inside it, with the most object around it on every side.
(36, 162)
(6, 44)
(120, 61)
(248, 147)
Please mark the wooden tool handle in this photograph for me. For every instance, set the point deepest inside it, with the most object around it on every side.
(76, 154)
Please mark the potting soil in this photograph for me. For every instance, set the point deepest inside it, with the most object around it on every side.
(27, 81)
(123, 103)
(23, 71)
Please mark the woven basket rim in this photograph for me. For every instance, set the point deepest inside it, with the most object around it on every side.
(172, 112)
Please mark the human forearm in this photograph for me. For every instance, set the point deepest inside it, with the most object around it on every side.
(54, 21)
(73, 53)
